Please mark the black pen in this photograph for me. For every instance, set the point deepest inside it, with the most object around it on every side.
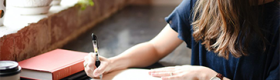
(95, 49)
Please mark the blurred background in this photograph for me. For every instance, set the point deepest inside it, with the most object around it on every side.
(32, 27)
(136, 23)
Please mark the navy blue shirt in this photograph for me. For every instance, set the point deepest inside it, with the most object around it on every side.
(256, 66)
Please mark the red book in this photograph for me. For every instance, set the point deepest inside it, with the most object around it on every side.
(25, 78)
(53, 65)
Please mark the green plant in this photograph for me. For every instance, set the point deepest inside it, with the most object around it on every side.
(84, 3)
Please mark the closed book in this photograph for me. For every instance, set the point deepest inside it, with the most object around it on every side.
(25, 78)
(53, 65)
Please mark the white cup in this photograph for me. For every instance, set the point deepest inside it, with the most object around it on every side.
(9, 70)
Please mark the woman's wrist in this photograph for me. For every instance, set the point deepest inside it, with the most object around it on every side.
(206, 73)
(118, 63)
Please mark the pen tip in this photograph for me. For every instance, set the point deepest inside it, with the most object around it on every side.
(93, 36)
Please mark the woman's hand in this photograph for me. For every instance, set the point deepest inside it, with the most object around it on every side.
(90, 68)
(186, 72)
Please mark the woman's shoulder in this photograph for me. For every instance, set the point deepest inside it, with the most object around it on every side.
(185, 7)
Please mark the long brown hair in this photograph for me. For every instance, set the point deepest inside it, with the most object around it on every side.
(224, 26)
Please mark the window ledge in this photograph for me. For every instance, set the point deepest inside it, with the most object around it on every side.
(58, 27)
(5, 30)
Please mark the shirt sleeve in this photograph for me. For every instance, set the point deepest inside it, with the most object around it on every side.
(179, 21)
(273, 70)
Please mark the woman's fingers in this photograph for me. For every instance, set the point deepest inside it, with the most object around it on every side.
(91, 61)
(159, 70)
(161, 74)
(89, 72)
(90, 67)
(101, 69)
(184, 72)
(173, 77)
(87, 60)
(89, 64)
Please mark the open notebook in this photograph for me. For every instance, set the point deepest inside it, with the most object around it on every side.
(129, 74)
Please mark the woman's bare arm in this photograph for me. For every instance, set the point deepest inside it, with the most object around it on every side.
(147, 53)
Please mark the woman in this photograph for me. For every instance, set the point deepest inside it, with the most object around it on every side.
(230, 39)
